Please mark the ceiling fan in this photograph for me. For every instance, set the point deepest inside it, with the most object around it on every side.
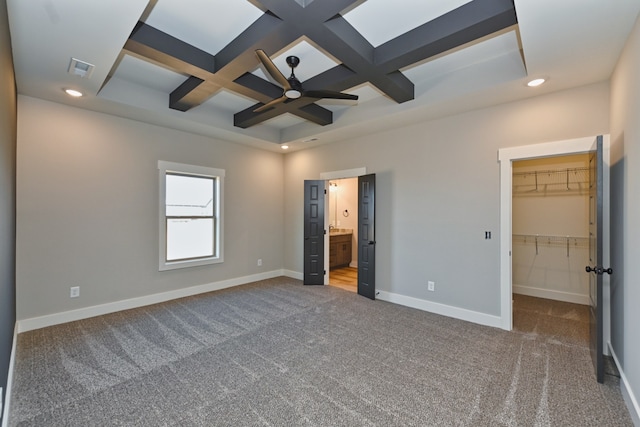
(292, 88)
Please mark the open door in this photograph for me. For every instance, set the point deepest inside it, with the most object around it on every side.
(366, 236)
(314, 195)
(596, 189)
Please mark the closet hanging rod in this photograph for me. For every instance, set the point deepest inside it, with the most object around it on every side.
(552, 241)
(554, 179)
(552, 171)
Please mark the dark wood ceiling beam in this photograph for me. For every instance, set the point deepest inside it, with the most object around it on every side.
(358, 54)
(301, 107)
(314, 113)
(187, 94)
(249, 83)
(324, 10)
(465, 24)
(208, 74)
(157, 46)
(338, 78)
(320, 11)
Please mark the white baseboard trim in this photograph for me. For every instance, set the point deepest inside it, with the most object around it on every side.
(12, 361)
(551, 294)
(293, 274)
(442, 309)
(25, 325)
(424, 305)
(627, 393)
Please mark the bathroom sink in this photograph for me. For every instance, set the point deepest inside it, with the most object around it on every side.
(340, 231)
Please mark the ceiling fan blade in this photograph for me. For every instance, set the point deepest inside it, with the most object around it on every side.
(272, 69)
(270, 104)
(330, 94)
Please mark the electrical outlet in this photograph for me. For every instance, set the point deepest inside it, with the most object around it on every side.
(431, 286)
(74, 292)
(260, 262)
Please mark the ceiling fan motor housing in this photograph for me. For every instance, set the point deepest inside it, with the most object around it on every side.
(293, 61)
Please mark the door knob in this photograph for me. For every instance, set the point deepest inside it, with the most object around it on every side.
(598, 270)
(371, 242)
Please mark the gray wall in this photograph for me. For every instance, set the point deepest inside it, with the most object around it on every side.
(7, 197)
(438, 191)
(625, 210)
(87, 208)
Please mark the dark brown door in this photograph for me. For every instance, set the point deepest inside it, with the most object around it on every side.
(314, 195)
(367, 236)
(595, 268)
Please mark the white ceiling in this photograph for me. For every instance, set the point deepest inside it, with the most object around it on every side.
(569, 42)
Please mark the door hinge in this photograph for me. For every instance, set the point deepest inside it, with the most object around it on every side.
(325, 272)
(325, 191)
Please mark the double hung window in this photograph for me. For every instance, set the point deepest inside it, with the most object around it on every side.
(190, 215)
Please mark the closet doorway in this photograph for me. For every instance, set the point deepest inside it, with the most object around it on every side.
(599, 247)
(507, 157)
(550, 246)
(343, 233)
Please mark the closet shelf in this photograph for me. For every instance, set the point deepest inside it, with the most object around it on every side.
(556, 180)
(551, 241)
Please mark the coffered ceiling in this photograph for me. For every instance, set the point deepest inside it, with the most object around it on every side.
(191, 64)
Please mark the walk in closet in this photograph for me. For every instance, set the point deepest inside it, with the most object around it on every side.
(550, 225)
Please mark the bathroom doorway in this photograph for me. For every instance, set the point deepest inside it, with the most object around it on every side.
(363, 230)
(343, 233)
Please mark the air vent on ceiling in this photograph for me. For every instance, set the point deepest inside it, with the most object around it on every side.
(80, 68)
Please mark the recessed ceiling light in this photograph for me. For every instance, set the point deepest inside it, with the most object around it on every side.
(73, 92)
(284, 147)
(535, 82)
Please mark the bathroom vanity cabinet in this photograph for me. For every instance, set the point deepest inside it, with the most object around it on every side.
(339, 249)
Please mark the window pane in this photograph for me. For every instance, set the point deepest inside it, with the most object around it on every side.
(189, 196)
(189, 238)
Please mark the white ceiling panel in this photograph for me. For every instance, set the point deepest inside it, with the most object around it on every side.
(208, 25)
(400, 16)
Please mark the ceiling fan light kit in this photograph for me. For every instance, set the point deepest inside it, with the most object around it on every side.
(292, 94)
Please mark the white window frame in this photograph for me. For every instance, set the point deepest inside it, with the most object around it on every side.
(202, 171)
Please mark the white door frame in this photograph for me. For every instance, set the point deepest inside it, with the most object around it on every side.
(347, 173)
(506, 156)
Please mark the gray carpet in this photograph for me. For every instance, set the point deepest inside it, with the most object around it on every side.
(277, 353)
